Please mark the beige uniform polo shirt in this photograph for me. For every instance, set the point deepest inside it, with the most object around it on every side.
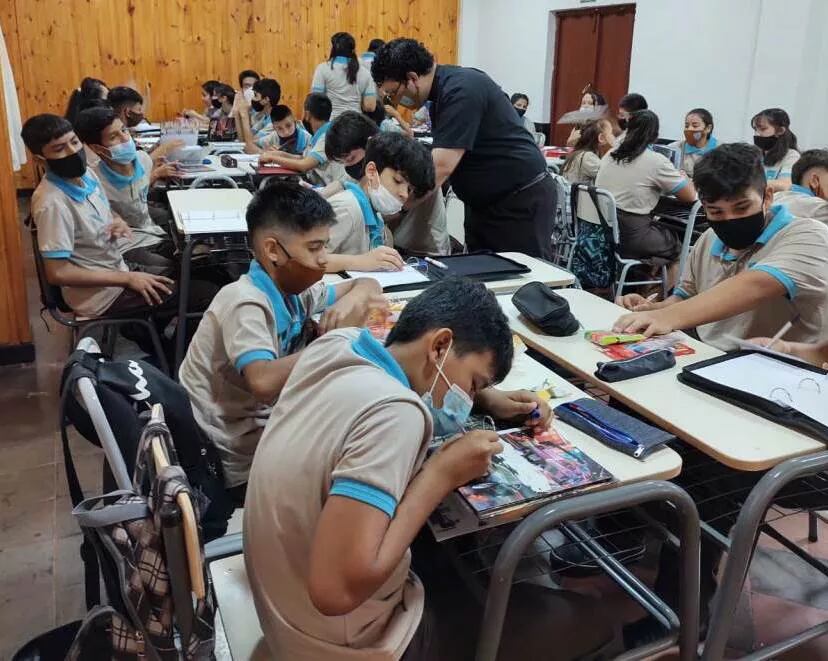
(638, 185)
(802, 203)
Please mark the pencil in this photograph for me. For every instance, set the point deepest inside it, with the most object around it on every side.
(780, 334)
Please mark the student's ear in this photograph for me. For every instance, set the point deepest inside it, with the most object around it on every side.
(440, 343)
(767, 201)
(270, 249)
(372, 172)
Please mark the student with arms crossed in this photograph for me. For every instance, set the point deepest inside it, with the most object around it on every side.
(808, 194)
(328, 523)
(755, 269)
(254, 121)
(250, 337)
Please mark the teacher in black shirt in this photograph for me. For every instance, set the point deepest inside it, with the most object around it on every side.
(480, 143)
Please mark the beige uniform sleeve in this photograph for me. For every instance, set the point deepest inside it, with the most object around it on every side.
(246, 335)
(667, 178)
(55, 230)
(688, 285)
(347, 233)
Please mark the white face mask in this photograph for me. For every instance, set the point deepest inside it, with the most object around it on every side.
(384, 201)
(247, 93)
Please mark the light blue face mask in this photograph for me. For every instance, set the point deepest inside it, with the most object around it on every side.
(457, 405)
(124, 152)
(408, 102)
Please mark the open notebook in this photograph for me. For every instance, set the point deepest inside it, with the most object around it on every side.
(203, 221)
(408, 276)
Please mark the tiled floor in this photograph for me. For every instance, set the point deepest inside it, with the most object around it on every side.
(40, 571)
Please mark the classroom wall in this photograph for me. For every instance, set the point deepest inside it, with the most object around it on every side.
(166, 48)
(733, 57)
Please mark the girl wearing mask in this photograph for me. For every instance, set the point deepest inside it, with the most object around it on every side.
(772, 134)
(210, 112)
(596, 139)
(591, 101)
(521, 103)
(698, 139)
(343, 80)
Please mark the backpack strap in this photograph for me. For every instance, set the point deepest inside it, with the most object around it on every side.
(88, 516)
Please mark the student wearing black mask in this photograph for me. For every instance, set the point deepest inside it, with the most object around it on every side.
(521, 104)
(629, 104)
(223, 126)
(755, 269)
(772, 134)
(254, 121)
(127, 104)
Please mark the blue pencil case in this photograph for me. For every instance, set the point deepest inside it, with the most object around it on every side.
(613, 428)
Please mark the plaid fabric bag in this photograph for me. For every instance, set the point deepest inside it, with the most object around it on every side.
(126, 529)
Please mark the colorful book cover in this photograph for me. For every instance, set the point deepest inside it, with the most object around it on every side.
(380, 326)
(671, 341)
(531, 468)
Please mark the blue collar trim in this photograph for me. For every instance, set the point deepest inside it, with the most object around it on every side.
(340, 59)
(289, 314)
(322, 130)
(372, 220)
(781, 219)
(712, 143)
(368, 56)
(366, 346)
(796, 188)
(77, 193)
(119, 180)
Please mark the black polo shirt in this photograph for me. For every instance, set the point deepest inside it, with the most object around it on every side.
(471, 112)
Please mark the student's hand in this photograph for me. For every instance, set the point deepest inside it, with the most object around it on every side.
(167, 171)
(240, 104)
(650, 323)
(352, 310)
(810, 353)
(271, 156)
(152, 287)
(518, 405)
(381, 259)
(119, 229)
(189, 114)
(634, 302)
(460, 461)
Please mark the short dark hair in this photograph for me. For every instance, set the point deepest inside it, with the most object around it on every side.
(319, 106)
(269, 88)
(642, 131)
(351, 130)
(406, 155)
(517, 96)
(248, 73)
(633, 102)
(278, 113)
(287, 206)
(375, 44)
(472, 313)
(812, 158)
(121, 96)
(223, 89)
(40, 130)
(91, 123)
(396, 58)
(728, 171)
(209, 86)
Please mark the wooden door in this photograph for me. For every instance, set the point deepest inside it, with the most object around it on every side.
(592, 46)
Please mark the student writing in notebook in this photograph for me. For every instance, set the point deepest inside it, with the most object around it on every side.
(328, 523)
(808, 194)
(756, 268)
(250, 337)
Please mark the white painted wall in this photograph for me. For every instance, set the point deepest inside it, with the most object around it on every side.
(733, 57)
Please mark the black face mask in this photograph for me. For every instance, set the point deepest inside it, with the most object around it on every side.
(307, 126)
(765, 142)
(134, 118)
(357, 170)
(520, 111)
(69, 167)
(740, 233)
(258, 106)
(622, 124)
(216, 103)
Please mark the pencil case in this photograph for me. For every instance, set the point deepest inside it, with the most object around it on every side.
(613, 428)
(629, 368)
(547, 310)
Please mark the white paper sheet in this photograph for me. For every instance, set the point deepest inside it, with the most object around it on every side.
(203, 221)
(409, 275)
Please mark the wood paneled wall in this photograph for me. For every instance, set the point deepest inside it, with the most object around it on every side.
(166, 48)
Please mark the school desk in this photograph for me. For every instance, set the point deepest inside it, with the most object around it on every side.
(235, 602)
(734, 437)
(215, 167)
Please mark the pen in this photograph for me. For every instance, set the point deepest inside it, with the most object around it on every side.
(652, 297)
(436, 263)
(780, 334)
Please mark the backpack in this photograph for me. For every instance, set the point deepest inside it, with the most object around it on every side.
(592, 259)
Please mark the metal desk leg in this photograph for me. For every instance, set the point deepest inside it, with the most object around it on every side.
(183, 298)
(742, 541)
(579, 507)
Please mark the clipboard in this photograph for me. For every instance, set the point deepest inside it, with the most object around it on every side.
(765, 407)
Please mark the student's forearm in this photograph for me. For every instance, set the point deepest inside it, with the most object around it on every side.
(68, 274)
(357, 286)
(339, 262)
(266, 378)
(727, 299)
(667, 302)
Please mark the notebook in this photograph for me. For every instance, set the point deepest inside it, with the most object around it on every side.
(203, 221)
(531, 469)
(408, 276)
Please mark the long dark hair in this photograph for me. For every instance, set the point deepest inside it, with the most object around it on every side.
(642, 131)
(777, 118)
(84, 97)
(588, 141)
(344, 45)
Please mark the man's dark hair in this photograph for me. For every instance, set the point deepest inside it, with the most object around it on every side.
(633, 102)
(280, 112)
(517, 96)
(40, 130)
(471, 312)
(728, 171)
(83, 97)
(270, 88)
(405, 155)
(91, 123)
(812, 158)
(777, 118)
(319, 106)
(375, 44)
(287, 206)
(248, 73)
(399, 56)
(209, 86)
(351, 130)
(642, 131)
(122, 96)
(223, 89)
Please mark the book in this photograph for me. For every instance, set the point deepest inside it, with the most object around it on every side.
(531, 468)
(672, 341)
(379, 325)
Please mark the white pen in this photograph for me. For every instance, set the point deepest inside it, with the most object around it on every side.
(652, 297)
(780, 334)
(436, 263)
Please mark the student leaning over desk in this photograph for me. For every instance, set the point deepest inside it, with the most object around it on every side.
(755, 269)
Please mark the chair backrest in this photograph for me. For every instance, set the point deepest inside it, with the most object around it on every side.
(50, 295)
(586, 208)
(211, 176)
